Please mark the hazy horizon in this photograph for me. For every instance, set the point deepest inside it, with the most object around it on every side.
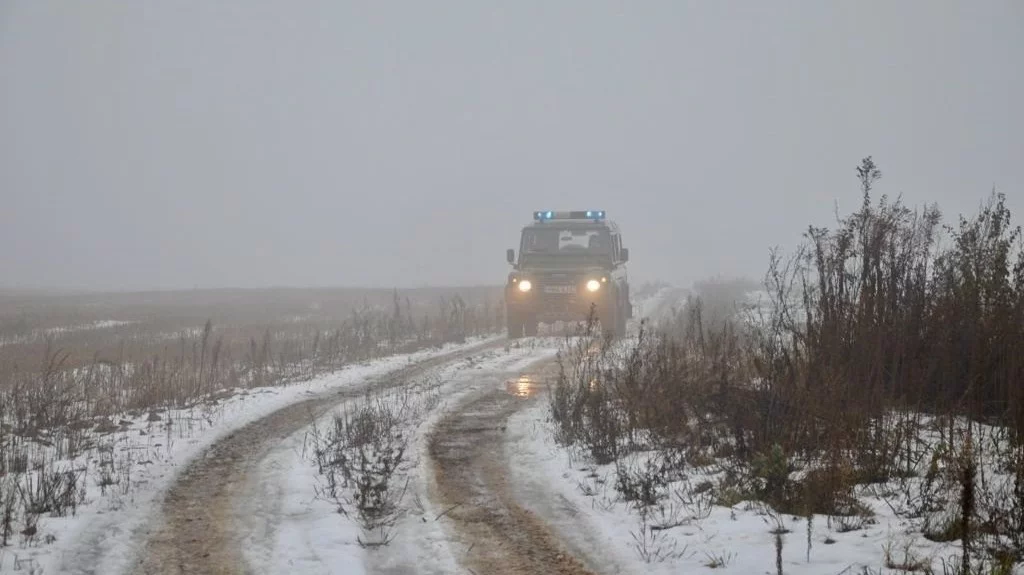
(148, 145)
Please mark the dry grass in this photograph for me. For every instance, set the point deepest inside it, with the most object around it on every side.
(879, 357)
(113, 326)
(167, 349)
(72, 366)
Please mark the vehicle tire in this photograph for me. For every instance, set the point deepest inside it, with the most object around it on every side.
(620, 325)
(530, 327)
(515, 327)
(610, 322)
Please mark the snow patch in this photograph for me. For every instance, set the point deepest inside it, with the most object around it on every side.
(109, 526)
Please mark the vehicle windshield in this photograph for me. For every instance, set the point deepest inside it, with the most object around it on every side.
(563, 241)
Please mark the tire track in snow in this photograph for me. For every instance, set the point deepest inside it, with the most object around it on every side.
(467, 449)
(502, 537)
(198, 533)
(291, 532)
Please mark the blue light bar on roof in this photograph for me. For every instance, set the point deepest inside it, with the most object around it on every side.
(544, 216)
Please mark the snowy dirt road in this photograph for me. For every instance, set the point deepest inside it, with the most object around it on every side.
(492, 518)
(198, 532)
(467, 450)
(247, 505)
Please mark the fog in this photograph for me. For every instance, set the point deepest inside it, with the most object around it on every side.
(208, 144)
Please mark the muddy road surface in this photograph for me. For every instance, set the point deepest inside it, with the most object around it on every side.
(197, 533)
(467, 450)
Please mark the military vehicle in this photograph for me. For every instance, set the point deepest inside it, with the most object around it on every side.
(569, 263)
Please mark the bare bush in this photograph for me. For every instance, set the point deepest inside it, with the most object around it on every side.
(581, 400)
(50, 490)
(359, 457)
(8, 509)
(69, 378)
(868, 334)
(655, 545)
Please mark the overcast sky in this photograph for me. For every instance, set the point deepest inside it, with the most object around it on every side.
(251, 143)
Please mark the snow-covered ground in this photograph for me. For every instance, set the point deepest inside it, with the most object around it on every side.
(56, 332)
(296, 532)
(143, 457)
(287, 527)
(686, 531)
(580, 500)
(291, 529)
(692, 534)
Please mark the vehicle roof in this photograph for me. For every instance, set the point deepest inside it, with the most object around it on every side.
(575, 224)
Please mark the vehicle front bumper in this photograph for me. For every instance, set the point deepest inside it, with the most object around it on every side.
(548, 307)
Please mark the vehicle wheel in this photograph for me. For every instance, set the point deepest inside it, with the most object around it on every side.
(530, 327)
(515, 327)
(610, 322)
(620, 325)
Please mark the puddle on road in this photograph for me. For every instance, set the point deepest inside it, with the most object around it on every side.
(527, 386)
(523, 386)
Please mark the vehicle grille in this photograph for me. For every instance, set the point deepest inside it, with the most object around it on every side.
(558, 302)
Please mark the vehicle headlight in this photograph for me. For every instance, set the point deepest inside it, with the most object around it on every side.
(593, 285)
(525, 285)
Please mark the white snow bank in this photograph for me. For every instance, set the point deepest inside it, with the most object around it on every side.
(580, 500)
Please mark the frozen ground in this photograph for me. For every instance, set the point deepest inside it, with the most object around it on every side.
(294, 531)
(578, 497)
(55, 332)
(496, 487)
(281, 523)
(142, 458)
(289, 529)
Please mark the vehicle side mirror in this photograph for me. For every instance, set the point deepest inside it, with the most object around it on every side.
(510, 255)
(624, 253)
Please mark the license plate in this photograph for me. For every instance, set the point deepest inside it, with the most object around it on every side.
(560, 289)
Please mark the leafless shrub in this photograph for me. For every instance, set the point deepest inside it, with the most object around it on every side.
(696, 504)
(956, 566)
(810, 532)
(50, 490)
(87, 375)
(869, 326)
(869, 331)
(63, 388)
(581, 402)
(847, 523)
(906, 560)
(643, 485)
(107, 473)
(359, 457)
(31, 529)
(718, 560)
(8, 509)
(655, 545)
(778, 550)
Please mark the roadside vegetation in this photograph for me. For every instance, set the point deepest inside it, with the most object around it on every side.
(63, 412)
(881, 363)
(363, 457)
